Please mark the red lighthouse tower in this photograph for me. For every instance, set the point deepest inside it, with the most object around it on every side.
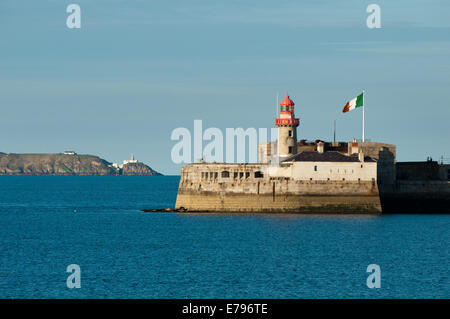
(287, 128)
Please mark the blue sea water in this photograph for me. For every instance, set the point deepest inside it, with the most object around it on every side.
(49, 222)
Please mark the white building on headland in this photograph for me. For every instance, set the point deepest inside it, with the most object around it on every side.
(131, 160)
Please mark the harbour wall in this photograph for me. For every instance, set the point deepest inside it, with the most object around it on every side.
(206, 187)
(419, 187)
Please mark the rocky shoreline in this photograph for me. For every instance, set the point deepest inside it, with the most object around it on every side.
(165, 210)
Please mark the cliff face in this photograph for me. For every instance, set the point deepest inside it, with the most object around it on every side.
(138, 169)
(61, 164)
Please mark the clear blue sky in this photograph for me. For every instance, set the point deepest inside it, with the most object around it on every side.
(138, 69)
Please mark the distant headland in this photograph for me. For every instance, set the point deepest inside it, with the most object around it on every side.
(69, 163)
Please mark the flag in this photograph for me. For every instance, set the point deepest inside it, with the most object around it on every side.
(354, 103)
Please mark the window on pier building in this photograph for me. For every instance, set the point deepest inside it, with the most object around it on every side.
(290, 149)
(241, 174)
(259, 174)
(290, 133)
(225, 174)
(235, 175)
(216, 175)
(247, 174)
(315, 168)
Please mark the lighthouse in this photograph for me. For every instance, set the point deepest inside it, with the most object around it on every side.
(287, 129)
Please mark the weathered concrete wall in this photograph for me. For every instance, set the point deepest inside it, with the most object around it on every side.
(265, 151)
(352, 171)
(373, 149)
(325, 171)
(207, 187)
(427, 171)
(252, 188)
(235, 202)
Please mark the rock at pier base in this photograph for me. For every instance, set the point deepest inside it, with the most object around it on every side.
(165, 210)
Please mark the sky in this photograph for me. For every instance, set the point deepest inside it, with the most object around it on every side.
(137, 70)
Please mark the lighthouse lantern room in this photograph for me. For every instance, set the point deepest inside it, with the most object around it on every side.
(287, 129)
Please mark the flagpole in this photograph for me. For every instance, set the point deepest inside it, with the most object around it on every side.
(364, 106)
(334, 131)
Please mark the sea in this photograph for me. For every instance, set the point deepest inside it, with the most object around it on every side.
(95, 222)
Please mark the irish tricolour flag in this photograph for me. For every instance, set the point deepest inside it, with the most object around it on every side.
(354, 103)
